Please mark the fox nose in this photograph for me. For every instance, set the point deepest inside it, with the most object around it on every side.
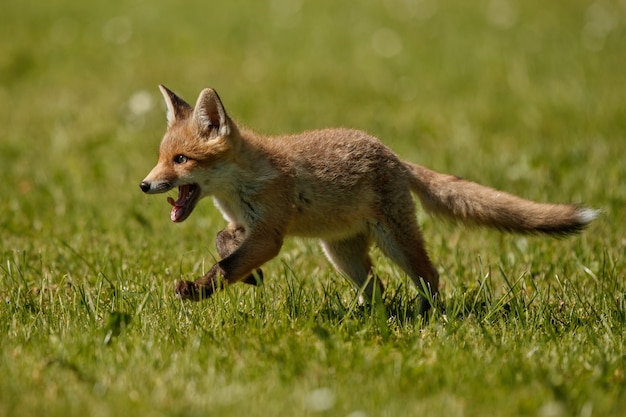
(145, 186)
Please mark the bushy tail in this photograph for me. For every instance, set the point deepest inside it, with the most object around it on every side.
(472, 203)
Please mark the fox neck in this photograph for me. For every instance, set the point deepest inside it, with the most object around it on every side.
(249, 161)
(241, 177)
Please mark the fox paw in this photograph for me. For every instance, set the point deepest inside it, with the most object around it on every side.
(187, 290)
(255, 278)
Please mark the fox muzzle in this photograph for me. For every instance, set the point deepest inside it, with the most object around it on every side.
(155, 187)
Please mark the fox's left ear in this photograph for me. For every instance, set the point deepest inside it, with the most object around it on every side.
(177, 108)
(209, 115)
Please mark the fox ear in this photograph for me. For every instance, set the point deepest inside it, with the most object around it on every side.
(210, 116)
(177, 108)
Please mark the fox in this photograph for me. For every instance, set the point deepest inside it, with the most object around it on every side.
(341, 186)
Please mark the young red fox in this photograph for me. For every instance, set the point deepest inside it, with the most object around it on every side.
(341, 186)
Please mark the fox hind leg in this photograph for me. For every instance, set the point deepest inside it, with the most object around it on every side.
(351, 257)
(402, 242)
(227, 241)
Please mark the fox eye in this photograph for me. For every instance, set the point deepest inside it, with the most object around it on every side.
(180, 159)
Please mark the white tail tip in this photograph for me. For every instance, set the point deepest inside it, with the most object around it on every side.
(586, 215)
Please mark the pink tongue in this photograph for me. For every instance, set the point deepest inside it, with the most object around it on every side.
(178, 206)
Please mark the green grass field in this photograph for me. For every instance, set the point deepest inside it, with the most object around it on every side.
(529, 97)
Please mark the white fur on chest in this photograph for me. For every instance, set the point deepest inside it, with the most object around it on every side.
(232, 212)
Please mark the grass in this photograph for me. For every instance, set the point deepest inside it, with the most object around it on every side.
(523, 96)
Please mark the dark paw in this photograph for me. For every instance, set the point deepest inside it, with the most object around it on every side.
(255, 278)
(188, 290)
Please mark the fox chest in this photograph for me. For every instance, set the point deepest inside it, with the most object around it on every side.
(235, 211)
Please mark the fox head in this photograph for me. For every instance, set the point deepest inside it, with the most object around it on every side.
(196, 147)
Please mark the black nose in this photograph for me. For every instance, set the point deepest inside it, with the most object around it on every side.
(145, 186)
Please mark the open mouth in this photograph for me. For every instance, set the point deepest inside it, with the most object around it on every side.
(182, 207)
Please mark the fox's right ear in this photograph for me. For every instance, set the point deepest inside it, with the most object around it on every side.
(177, 108)
(210, 116)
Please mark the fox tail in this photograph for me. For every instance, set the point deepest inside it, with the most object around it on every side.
(474, 204)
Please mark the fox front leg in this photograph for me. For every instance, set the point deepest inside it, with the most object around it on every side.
(258, 248)
(227, 242)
